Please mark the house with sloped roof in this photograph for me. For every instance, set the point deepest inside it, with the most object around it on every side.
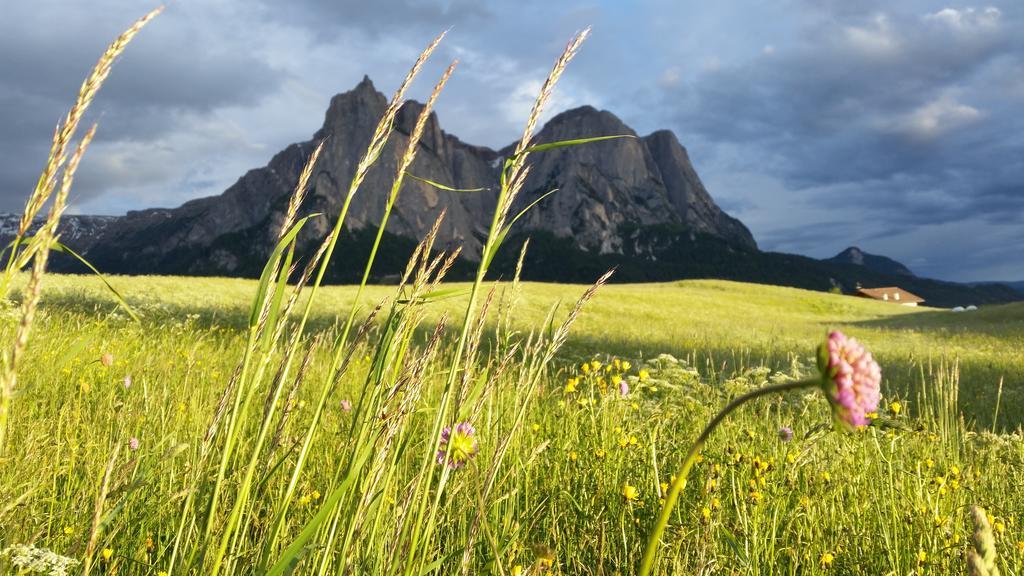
(893, 294)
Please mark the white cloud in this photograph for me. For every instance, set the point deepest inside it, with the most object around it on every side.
(670, 77)
(515, 108)
(712, 63)
(875, 41)
(967, 19)
(938, 117)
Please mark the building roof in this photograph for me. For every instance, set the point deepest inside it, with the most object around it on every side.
(890, 294)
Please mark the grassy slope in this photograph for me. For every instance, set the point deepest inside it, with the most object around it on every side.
(875, 501)
(721, 324)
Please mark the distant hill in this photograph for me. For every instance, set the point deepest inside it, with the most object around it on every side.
(674, 255)
(858, 257)
(1018, 286)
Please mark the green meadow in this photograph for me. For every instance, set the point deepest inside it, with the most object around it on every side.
(889, 499)
(716, 325)
(215, 426)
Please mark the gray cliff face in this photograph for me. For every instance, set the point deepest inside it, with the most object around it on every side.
(606, 191)
(688, 195)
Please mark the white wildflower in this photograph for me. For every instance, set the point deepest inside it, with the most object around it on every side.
(39, 560)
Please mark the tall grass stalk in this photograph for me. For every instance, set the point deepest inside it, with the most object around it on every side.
(246, 389)
(39, 246)
(341, 345)
(512, 178)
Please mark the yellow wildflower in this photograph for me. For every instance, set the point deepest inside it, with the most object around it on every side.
(629, 492)
(107, 553)
(626, 365)
(827, 559)
(895, 408)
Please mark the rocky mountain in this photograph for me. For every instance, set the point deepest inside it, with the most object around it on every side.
(81, 232)
(858, 257)
(608, 193)
(636, 204)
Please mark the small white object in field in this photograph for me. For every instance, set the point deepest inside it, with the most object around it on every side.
(970, 308)
(958, 309)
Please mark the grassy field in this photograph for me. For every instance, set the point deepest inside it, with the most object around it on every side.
(238, 428)
(885, 500)
(718, 326)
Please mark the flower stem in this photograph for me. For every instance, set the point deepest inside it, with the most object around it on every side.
(647, 564)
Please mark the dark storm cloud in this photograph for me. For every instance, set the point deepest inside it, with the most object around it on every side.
(901, 119)
(173, 73)
(820, 124)
(329, 17)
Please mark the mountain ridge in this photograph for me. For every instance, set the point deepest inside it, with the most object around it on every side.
(637, 204)
(605, 189)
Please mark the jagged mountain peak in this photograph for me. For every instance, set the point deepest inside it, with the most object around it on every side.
(608, 193)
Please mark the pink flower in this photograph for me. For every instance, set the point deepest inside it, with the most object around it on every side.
(785, 433)
(346, 405)
(623, 388)
(458, 445)
(852, 379)
(128, 381)
(133, 444)
(107, 359)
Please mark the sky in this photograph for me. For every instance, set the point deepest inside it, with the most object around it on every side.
(897, 127)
